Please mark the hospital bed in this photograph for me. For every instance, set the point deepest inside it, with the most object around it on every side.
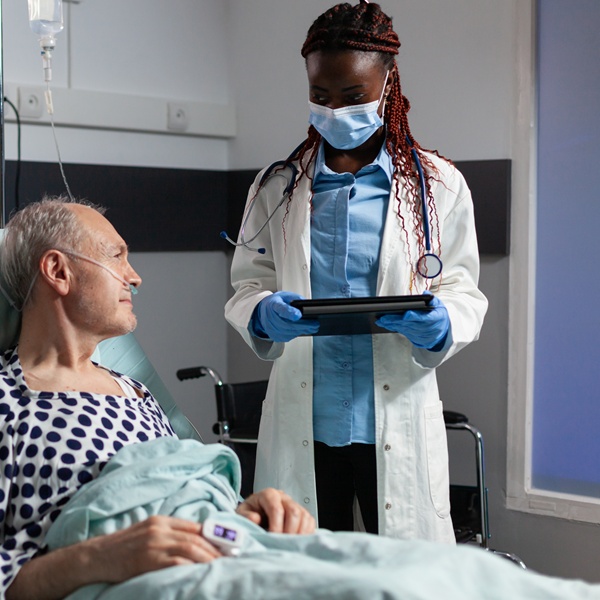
(239, 408)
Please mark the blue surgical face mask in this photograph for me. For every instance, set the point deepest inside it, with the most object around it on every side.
(347, 127)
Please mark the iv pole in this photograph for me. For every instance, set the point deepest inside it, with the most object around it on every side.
(3, 215)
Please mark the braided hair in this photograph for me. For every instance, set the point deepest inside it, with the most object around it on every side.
(366, 28)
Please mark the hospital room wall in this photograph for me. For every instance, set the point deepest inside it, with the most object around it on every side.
(151, 49)
(459, 67)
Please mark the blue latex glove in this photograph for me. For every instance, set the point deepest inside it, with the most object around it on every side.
(425, 329)
(280, 322)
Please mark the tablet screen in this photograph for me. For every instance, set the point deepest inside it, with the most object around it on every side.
(353, 316)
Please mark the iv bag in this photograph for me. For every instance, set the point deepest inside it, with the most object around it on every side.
(45, 17)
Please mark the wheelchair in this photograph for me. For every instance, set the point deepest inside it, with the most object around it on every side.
(239, 408)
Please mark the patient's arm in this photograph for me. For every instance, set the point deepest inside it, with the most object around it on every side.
(156, 543)
(277, 512)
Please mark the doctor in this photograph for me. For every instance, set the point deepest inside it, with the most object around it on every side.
(360, 416)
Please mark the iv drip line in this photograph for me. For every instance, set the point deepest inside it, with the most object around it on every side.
(46, 19)
(50, 110)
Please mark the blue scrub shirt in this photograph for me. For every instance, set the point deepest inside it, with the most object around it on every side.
(346, 232)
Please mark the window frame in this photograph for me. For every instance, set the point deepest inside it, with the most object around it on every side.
(521, 495)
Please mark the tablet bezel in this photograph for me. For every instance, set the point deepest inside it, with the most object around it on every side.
(356, 316)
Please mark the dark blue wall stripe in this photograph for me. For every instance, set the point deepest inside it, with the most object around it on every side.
(170, 210)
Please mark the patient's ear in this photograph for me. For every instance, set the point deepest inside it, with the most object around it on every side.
(55, 271)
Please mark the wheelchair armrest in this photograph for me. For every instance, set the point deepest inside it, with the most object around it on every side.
(196, 372)
(454, 418)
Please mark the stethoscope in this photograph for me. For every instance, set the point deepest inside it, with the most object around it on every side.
(429, 264)
(287, 192)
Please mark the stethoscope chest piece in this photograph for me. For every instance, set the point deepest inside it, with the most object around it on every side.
(429, 265)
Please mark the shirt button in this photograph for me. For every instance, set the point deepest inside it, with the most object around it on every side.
(386, 387)
(306, 500)
(305, 443)
(387, 447)
(344, 289)
(346, 403)
(303, 384)
(345, 365)
(388, 506)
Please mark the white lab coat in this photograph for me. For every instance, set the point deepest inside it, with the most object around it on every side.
(411, 446)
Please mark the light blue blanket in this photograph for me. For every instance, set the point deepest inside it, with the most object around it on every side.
(186, 479)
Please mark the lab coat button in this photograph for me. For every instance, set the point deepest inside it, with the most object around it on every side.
(306, 500)
(303, 384)
(388, 506)
(304, 267)
(387, 447)
(386, 387)
(305, 443)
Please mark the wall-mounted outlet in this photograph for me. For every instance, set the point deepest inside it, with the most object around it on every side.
(178, 116)
(31, 102)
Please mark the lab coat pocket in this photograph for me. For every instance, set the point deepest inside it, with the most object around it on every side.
(437, 459)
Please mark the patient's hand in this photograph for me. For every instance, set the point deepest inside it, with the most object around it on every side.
(156, 543)
(277, 512)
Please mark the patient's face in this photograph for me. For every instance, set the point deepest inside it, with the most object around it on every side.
(102, 304)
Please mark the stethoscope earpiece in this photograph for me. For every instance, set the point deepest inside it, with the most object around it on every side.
(224, 235)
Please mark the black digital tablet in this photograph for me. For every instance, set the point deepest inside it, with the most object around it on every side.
(353, 316)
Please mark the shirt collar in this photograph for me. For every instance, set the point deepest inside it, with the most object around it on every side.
(383, 161)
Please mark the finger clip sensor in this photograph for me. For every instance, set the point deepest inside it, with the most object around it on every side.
(227, 538)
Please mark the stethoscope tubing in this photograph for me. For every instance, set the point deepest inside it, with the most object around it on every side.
(287, 192)
(423, 200)
(284, 197)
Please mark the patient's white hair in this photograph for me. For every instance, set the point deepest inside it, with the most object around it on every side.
(31, 232)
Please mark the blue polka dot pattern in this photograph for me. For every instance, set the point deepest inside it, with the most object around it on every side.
(52, 443)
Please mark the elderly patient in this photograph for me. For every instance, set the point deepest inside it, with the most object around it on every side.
(62, 416)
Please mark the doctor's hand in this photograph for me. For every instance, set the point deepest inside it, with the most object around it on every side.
(277, 512)
(425, 329)
(279, 321)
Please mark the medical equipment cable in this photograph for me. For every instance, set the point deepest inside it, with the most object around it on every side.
(132, 287)
(287, 192)
(244, 242)
(429, 264)
(46, 20)
(50, 110)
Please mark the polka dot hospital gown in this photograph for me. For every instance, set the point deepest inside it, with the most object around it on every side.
(51, 443)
